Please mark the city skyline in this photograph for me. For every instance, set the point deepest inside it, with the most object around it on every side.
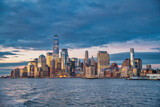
(27, 41)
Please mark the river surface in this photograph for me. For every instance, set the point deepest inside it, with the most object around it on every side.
(76, 92)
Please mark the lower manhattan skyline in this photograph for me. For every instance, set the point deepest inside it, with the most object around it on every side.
(79, 53)
(28, 26)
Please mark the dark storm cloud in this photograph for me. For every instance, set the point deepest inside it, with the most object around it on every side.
(8, 67)
(156, 49)
(15, 51)
(2, 54)
(81, 23)
(146, 57)
(13, 64)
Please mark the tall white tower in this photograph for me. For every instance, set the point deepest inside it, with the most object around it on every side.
(132, 62)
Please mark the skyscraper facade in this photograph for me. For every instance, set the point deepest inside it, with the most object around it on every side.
(64, 56)
(31, 68)
(49, 56)
(41, 61)
(132, 62)
(138, 63)
(103, 62)
(86, 61)
(55, 47)
(90, 69)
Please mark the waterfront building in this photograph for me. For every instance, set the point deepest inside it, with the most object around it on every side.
(135, 72)
(49, 57)
(72, 65)
(16, 73)
(148, 67)
(41, 61)
(64, 55)
(90, 69)
(125, 69)
(138, 67)
(57, 65)
(86, 57)
(85, 62)
(144, 72)
(114, 66)
(138, 63)
(113, 71)
(76, 61)
(108, 73)
(32, 68)
(55, 47)
(12, 74)
(46, 71)
(126, 62)
(132, 62)
(153, 76)
(36, 72)
(23, 72)
(52, 69)
(103, 62)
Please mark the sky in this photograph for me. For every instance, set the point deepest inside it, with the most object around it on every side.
(27, 28)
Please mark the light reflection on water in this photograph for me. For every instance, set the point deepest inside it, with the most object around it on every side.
(79, 92)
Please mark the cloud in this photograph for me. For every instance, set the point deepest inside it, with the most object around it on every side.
(13, 64)
(3, 54)
(5, 68)
(29, 24)
(156, 49)
(146, 57)
(15, 51)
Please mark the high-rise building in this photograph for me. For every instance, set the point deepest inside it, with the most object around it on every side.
(138, 63)
(86, 61)
(41, 61)
(55, 47)
(86, 57)
(132, 62)
(103, 62)
(76, 61)
(16, 73)
(90, 69)
(57, 65)
(52, 69)
(23, 72)
(31, 68)
(49, 56)
(126, 63)
(64, 56)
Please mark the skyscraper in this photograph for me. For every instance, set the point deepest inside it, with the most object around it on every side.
(49, 58)
(138, 63)
(90, 69)
(41, 61)
(76, 61)
(86, 57)
(86, 61)
(55, 47)
(32, 68)
(64, 56)
(132, 62)
(103, 62)
(126, 63)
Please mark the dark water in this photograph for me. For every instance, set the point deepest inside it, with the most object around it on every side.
(79, 93)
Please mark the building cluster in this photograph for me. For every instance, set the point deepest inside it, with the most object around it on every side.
(54, 66)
